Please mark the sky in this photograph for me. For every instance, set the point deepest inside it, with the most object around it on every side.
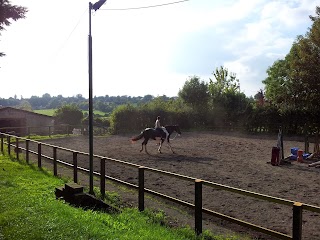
(144, 51)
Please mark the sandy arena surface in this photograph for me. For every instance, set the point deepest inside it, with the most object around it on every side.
(230, 159)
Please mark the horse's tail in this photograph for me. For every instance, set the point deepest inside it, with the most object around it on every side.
(137, 137)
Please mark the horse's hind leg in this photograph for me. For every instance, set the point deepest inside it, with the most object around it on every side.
(159, 149)
(141, 147)
(145, 145)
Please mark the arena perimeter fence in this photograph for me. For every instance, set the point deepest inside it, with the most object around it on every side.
(62, 129)
(297, 207)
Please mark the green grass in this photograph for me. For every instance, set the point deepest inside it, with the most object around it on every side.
(29, 210)
(96, 112)
(50, 112)
(55, 136)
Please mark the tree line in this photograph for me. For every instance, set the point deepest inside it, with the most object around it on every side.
(105, 103)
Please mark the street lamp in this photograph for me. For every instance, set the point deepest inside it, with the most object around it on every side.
(94, 7)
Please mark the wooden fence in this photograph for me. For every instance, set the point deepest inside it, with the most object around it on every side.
(53, 130)
(40, 130)
(297, 207)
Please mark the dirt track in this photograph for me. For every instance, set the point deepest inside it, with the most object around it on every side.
(236, 161)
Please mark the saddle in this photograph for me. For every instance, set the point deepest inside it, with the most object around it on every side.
(161, 132)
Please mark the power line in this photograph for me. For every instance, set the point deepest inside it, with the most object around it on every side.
(76, 24)
(67, 39)
(137, 8)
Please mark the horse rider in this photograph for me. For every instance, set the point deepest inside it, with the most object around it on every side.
(158, 126)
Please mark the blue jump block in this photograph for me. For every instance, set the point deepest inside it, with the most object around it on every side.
(294, 150)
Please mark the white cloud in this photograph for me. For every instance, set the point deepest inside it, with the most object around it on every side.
(265, 38)
(288, 14)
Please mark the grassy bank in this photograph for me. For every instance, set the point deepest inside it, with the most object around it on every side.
(29, 210)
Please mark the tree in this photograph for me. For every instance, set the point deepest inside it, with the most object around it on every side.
(9, 12)
(35, 102)
(195, 93)
(25, 105)
(224, 83)
(69, 114)
(228, 103)
(45, 100)
(277, 82)
(294, 82)
(147, 98)
(54, 103)
(224, 87)
(304, 66)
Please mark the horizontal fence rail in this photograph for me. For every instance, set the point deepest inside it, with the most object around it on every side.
(6, 139)
(48, 130)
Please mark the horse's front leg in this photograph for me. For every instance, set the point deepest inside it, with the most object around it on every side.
(170, 145)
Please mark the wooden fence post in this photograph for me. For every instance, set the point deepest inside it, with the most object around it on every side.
(17, 148)
(75, 167)
(198, 206)
(102, 177)
(27, 150)
(141, 189)
(9, 143)
(297, 221)
(306, 139)
(2, 143)
(55, 169)
(39, 155)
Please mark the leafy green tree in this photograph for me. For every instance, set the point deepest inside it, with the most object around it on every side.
(54, 103)
(227, 102)
(147, 98)
(46, 98)
(305, 73)
(294, 82)
(225, 82)
(35, 102)
(124, 114)
(25, 105)
(277, 82)
(68, 114)
(195, 93)
(9, 12)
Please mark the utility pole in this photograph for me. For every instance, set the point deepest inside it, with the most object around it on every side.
(95, 7)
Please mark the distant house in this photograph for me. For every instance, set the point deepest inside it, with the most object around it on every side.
(21, 122)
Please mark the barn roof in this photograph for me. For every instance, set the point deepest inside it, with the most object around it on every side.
(24, 111)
